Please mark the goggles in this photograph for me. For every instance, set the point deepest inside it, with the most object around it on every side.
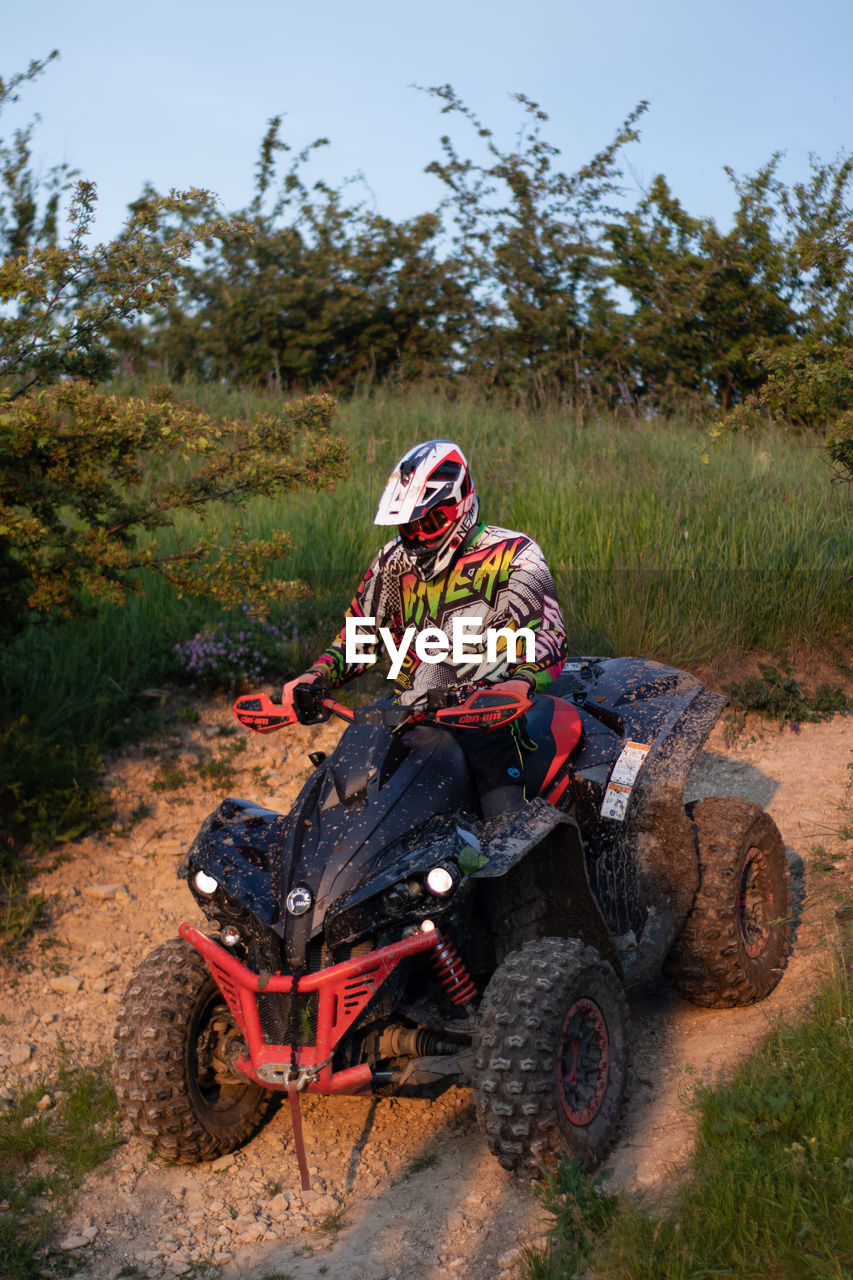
(431, 525)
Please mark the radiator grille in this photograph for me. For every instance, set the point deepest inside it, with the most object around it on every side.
(275, 1012)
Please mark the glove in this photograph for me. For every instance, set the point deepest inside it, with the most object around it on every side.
(307, 677)
(516, 687)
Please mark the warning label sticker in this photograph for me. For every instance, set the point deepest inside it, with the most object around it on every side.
(616, 799)
(629, 763)
(622, 779)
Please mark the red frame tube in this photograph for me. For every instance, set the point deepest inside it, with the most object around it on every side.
(343, 989)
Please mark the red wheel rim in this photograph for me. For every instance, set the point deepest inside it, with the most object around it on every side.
(583, 1062)
(755, 903)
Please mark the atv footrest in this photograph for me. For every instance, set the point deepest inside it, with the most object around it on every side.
(342, 990)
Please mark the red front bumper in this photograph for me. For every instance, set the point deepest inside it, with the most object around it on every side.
(343, 991)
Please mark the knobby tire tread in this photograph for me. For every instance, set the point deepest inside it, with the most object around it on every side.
(152, 1062)
(708, 964)
(521, 1017)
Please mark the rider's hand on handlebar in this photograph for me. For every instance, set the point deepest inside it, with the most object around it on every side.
(515, 687)
(306, 698)
(307, 677)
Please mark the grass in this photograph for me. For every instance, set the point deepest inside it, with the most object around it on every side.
(216, 770)
(21, 913)
(46, 1150)
(653, 550)
(583, 1211)
(769, 1191)
(426, 1160)
(333, 1222)
(221, 769)
(169, 775)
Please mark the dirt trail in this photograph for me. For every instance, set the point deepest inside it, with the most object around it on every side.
(401, 1188)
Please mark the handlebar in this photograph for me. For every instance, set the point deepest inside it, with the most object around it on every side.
(458, 707)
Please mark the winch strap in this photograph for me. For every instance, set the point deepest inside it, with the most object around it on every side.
(298, 1141)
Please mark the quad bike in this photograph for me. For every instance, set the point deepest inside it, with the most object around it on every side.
(382, 938)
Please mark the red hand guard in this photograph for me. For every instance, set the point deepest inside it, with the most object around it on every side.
(488, 708)
(258, 711)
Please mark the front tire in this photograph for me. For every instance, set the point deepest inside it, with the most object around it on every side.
(551, 1056)
(175, 1042)
(735, 942)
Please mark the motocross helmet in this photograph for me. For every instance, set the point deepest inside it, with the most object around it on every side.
(430, 497)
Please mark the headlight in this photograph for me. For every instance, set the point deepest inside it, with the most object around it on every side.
(400, 897)
(439, 881)
(205, 883)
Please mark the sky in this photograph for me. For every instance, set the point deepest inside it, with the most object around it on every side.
(179, 94)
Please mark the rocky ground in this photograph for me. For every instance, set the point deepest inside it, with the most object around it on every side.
(400, 1188)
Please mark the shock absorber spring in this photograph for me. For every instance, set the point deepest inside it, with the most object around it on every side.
(451, 970)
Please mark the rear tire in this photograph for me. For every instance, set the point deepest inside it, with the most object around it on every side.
(174, 1041)
(734, 945)
(551, 1056)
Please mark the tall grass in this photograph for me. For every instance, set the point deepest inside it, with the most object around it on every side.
(654, 551)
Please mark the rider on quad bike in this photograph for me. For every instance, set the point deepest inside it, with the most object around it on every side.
(400, 928)
(446, 564)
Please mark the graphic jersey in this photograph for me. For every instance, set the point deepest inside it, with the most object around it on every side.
(500, 578)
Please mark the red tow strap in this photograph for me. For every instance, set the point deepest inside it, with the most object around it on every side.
(298, 1141)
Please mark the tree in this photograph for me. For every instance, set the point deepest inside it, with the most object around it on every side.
(83, 483)
(84, 490)
(807, 379)
(28, 215)
(706, 303)
(62, 299)
(529, 238)
(324, 291)
(305, 288)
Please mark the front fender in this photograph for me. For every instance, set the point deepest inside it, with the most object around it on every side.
(520, 832)
(550, 842)
(234, 846)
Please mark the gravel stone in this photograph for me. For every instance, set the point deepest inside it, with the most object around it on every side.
(323, 1205)
(224, 1162)
(66, 984)
(104, 892)
(72, 1242)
